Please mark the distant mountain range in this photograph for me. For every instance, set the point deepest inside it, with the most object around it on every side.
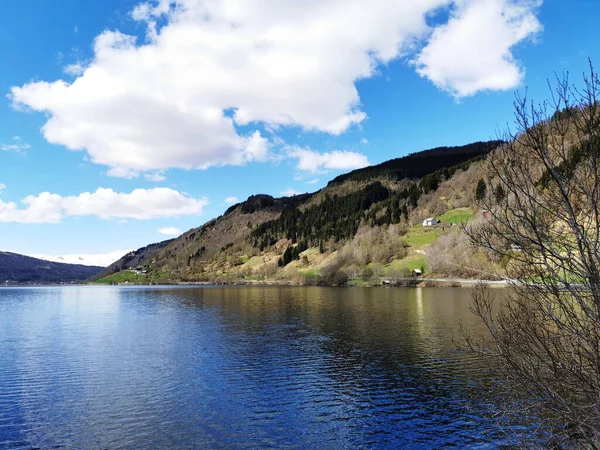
(21, 269)
(102, 260)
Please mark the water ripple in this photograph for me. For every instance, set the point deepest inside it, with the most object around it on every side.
(236, 368)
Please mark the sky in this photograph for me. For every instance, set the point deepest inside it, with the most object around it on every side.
(124, 123)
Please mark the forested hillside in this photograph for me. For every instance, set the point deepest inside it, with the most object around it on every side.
(364, 224)
(15, 268)
(417, 165)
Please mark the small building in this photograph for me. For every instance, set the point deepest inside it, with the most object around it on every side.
(430, 221)
(417, 273)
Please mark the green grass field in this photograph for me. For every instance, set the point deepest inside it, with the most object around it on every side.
(459, 215)
(411, 262)
(311, 273)
(130, 277)
(255, 278)
(419, 236)
(122, 277)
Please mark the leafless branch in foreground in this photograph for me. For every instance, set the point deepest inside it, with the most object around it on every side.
(543, 198)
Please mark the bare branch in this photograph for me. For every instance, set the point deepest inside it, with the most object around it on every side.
(543, 194)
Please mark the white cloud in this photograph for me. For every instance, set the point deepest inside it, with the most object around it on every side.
(289, 192)
(16, 146)
(2, 187)
(473, 51)
(170, 231)
(232, 200)
(313, 181)
(257, 147)
(364, 141)
(155, 176)
(209, 67)
(74, 69)
(140, 204)
(176, 100)
(102, 259)
(315, 162)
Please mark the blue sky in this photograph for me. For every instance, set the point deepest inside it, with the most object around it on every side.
(170, 108)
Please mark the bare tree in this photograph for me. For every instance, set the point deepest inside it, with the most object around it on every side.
(543, 203)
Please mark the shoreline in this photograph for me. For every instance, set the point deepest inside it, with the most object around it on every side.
(408, 282)
(411, 283)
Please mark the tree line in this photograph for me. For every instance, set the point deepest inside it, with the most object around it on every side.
(338, 217)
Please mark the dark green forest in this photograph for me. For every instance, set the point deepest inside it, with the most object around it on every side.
(338, 217)
(417, 165)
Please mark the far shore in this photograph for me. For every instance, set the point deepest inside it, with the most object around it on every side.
(408, 282)
(417, 282)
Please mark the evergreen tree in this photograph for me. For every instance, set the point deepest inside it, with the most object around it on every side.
(500, 194)
(338, 217)
(480, 191)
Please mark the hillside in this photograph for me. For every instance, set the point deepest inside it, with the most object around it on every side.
(417, 165)
(15, 268)
(364, 225)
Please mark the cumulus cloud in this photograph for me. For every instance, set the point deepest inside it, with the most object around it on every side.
(155, 176)
(16, 145)
(315, 162)
(140, 204)
(232, 200)
(209, 68)
(473, 51)
(170, 231)
(290, 192)
(75, 69)
(257, 147)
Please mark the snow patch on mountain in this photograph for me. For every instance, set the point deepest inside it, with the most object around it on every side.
(102, 260)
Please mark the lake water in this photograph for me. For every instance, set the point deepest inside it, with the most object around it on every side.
(144, 367)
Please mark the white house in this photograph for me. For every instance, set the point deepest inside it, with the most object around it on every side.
(430, 221)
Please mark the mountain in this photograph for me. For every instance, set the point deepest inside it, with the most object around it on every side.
(417, 165)
(96, 260)
(366, 221)
(15, 268)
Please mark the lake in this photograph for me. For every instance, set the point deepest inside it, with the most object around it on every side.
(189, 367)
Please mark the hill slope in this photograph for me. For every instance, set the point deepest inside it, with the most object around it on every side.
(301, 238)
(15, 268)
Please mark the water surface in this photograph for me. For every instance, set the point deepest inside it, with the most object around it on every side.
(142, 367)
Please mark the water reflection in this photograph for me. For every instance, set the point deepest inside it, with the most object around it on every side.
(236, 367)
